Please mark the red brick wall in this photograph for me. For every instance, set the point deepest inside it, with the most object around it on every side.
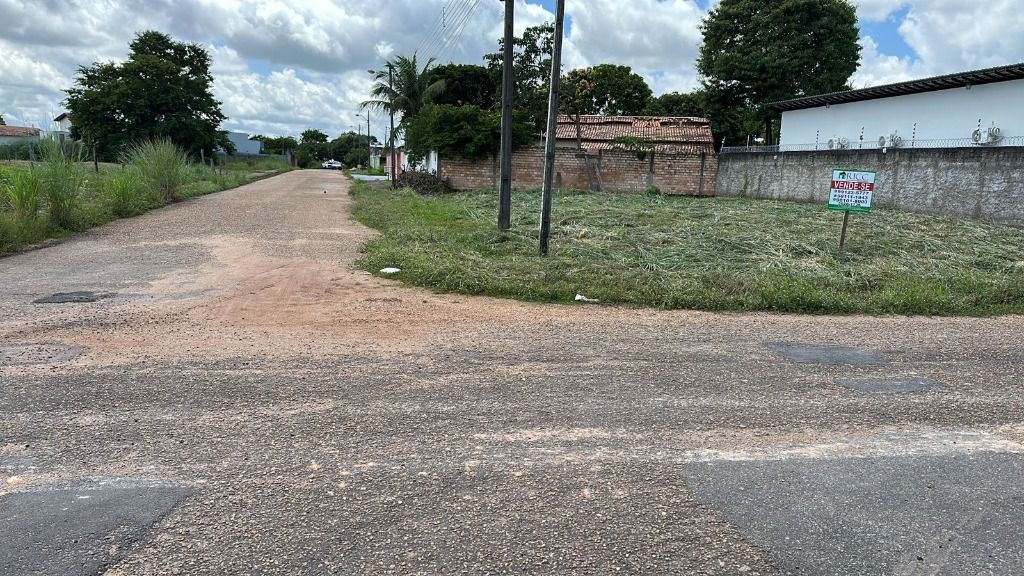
(620, 171)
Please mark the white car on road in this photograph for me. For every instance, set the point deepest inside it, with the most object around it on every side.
(332, 165)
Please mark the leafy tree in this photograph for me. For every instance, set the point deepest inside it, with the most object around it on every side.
(678, 104)
(350, 148)
(761, 51)
(608, 90)
(163, 90)
(531, 68)
(466, 84)
(277, 145)
(313, 136)
(407, 90)
(465, 131)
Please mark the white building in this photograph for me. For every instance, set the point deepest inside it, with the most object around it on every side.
(243, 145)
(978, 108)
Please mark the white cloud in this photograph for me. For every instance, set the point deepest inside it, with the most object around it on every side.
(282, 66)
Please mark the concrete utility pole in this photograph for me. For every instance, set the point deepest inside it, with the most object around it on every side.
(505, 192)
(549, 141)
(369, 140)
(391, 140)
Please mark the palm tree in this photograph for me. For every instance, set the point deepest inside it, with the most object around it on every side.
(407, 90)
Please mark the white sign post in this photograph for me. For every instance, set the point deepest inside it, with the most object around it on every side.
(852, 191)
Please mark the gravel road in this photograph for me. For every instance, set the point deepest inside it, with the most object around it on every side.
(301, 417)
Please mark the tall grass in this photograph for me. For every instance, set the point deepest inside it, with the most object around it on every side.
(62, 176)
(123, 193)
(162, 165)
(24, 193)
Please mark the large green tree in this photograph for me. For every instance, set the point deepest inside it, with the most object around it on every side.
(531, 69)
(678, 104)
(761, 51)
(608, 90)
(466, 85)
(466, 131)
(163, 90)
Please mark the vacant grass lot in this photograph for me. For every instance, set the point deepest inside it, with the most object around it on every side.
(711, 254)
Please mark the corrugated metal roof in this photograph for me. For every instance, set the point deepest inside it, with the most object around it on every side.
(666, 133)
(18, 131)
(958, 80)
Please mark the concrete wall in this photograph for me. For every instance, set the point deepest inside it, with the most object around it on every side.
(244, 146)
(608, 170)
(985, 183)
(953, 113)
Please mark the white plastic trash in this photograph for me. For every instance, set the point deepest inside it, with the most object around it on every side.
(582, 298)
(390, 270)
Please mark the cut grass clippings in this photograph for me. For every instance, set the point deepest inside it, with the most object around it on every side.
(697, 253)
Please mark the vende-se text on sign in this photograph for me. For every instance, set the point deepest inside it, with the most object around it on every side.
(851, 190)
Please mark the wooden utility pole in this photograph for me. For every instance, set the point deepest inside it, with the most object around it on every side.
(508, 84)
(550, 139)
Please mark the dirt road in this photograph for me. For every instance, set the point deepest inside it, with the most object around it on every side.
(238, 399)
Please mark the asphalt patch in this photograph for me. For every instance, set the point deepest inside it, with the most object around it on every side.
(72, 298)
(80, 528)
(33, 354)
(959, 514)
(825, 354)
(891, 385)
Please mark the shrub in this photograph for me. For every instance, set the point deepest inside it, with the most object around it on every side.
(62, 179)
(23, 193)
(425, 183)
(161, 165)
(123, 193)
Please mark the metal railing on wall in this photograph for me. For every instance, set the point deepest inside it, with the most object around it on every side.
(1005, 142)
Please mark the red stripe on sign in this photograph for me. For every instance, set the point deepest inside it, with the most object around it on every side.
(855, 186)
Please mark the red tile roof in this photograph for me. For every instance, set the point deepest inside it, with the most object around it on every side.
(19, 131)
(666, 133)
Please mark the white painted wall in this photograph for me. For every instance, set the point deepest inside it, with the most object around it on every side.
(942, 114)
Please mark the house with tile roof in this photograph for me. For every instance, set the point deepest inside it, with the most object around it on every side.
(18, 134)
(675, 155)
(668, 134)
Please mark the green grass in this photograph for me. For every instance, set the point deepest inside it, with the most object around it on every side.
(61, 196)
(698, 253)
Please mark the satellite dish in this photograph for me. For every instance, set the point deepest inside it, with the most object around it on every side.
(831, 144)
(994, 134)
(844, 143)
(895, 141)
(976, 136)
(881, 141)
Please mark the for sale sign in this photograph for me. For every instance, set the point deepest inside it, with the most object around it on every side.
(851, 190)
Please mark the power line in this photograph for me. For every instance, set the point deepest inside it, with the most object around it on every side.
(440, 25)
(456, 37)
(453, 13)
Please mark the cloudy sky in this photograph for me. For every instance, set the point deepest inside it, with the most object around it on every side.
(281, 67)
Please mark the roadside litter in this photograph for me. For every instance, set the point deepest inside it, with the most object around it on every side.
(582, 298)
(390, 270)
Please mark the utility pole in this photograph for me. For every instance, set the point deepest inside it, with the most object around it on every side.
(391, 98)
(505, 192)
(549, 141)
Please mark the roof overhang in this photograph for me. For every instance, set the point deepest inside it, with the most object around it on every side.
(949, 81)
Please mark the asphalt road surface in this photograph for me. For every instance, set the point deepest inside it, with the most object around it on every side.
(224, 393)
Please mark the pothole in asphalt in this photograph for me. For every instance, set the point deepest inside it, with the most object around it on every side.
(825, 354)
(891, 385)
(38, 354)
(72, 297)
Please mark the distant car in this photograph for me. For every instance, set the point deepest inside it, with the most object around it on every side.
(332, 165)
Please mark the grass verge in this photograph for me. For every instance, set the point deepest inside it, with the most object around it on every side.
(697, 253)
(61, 196)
